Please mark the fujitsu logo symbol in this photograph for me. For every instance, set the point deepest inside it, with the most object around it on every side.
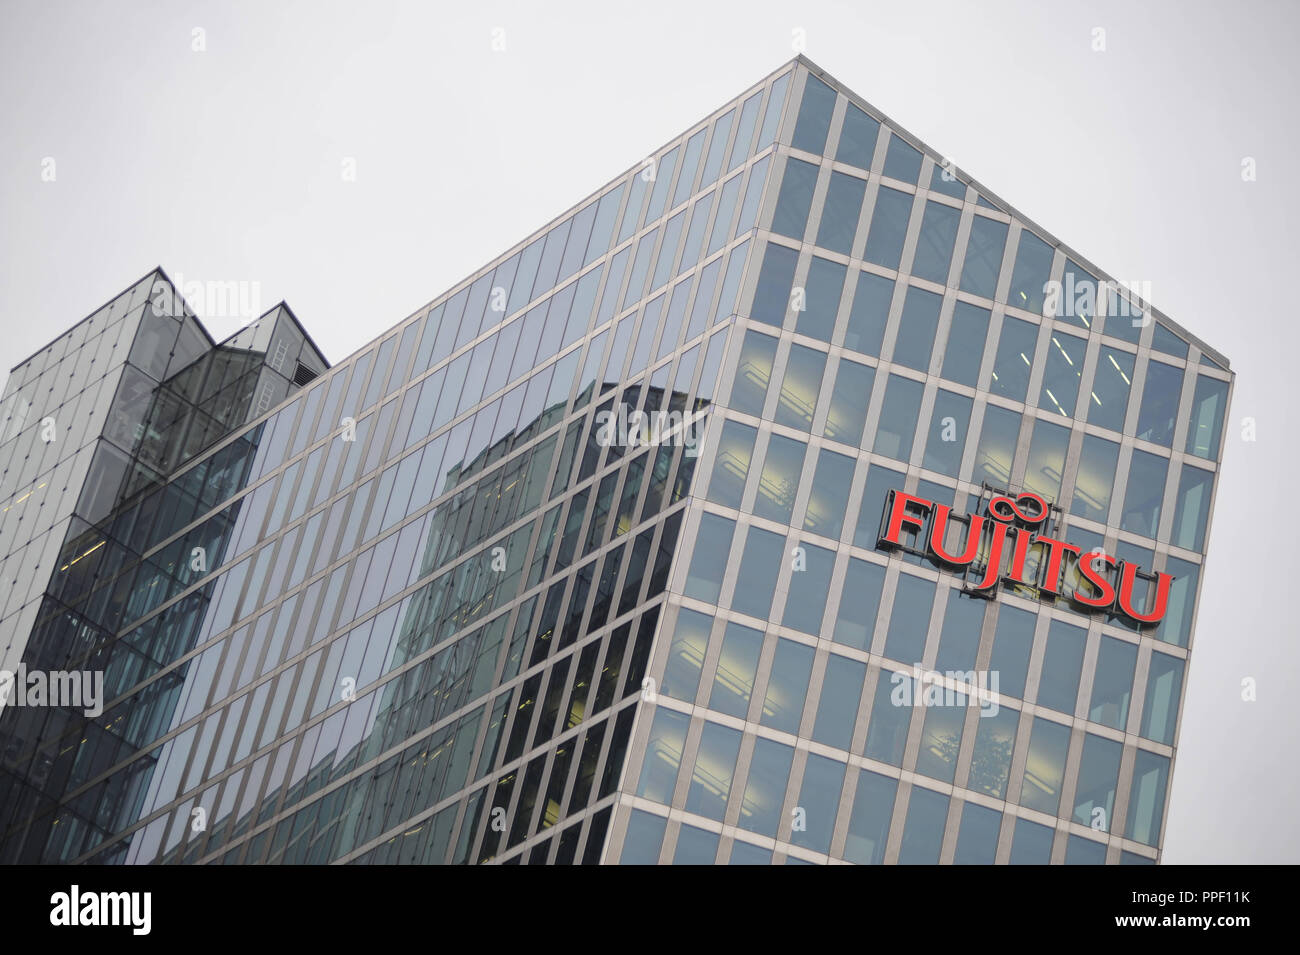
(1004, 536)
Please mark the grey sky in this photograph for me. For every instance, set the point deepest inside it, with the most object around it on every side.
(226, 165)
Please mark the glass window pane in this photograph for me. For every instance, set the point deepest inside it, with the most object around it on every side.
(977, 840)
(1112, 685)
(704, 579)
(1164, 689)
(731, 465)
(1014, 359)
(869, 314)
(1176, 627)
(979, 274)
(1032, 843)
(715, 764)
(663, 757)
(934, 245)
(814, 116)
(837, 710)
(644, 839)
(779, 480)
(857, 138)
(902, 162)
(1012, 644)
(1146, 490)
(910, 619)
(1146, 802)
(1045, 766)
(1158, 414)
(787, 686)
(1061, 376)
(949, 426)
(1058, 687)
(898, 417)
(821, 302)
(1094, 796)
(840, 212)
(1096, 478)
(927, 816)
(753, 372)
(1192, 510)
(1163, 340)
(941, 740)
(1081, 851)
(996, 451)
(1209, 404)
(888, 227)
(696, 846)
(1110, 388)
(891, 715)
(819, 798)
(794, 199)
(859, 602)
(769, 775)
(801, 386)
(1078, 296)
(965, 349)
(810, 583)
(1046, 459)
(995, 741)
(848, 411)
(829, 495)
(1030, 274)
(873, 807)
(759, 566)
(686, 655)
(775, 278)
(733, 682)
(916, 329)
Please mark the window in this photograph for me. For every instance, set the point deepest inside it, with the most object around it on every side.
(979, 274)
(769, 774)
(809, 584)
(1046, 459)
(821, 301)
(759, 566)
(916, 329)
(857, 138)
(1146, 803)
(1045, 766)
(1163, 340)
(795, 198)
(1058, 687)
(1094, 797)
(840, 213)
(869, 314)
(1014, 359)
(837, 710)
(686, 655)
(943, 180)
(1110, 388)
(959, 641)
(829, 495)
(995, 741)
(1209, 403)
(1078, 298)
(814, 116)
(663, 757)
(695, 846)
(934, 245)
(778, 483)
(873, 807)
(941, 741)
(1032, 843)
(898, 417)
(704, 579)
(1012, 644)
(733, 682)
(1112, 684)
(1061, 376)
(1096, 478)
(731, 466)
(1176, 627)
(1192, 509)
(753, 373)
(859, 602)
(644, 839)
(1030, 274)
(787, 686)
(965, 348)
(910, 619)
(902, 162)
(1158, 414)
(775, 278)
(887, 731)
(848, 411)
(996, 451)
(927, 817)
(819, 798)
(888, 227)
(715, 764)
(977, 840)
(1146, 490)
(949, 425)
(1164, 687)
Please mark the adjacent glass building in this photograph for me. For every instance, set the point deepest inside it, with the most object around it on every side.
(583, 561)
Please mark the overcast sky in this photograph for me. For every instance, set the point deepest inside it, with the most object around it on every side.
(227, 163)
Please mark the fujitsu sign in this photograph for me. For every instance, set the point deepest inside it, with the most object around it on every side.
(1001, 540)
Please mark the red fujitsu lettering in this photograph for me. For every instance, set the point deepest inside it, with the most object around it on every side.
(1016, 572)
(1105, 592)
(994, 565)
(1055, 555)
(898, 517)
(938, 530)
(1128, 575)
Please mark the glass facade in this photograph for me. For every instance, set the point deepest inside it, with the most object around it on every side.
(580, 563)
